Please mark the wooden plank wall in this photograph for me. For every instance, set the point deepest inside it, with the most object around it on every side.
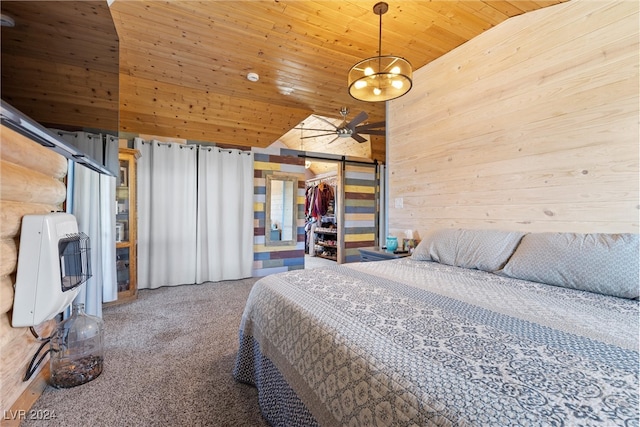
(275, 259)
(532, 126)
(360, 183)
(30, 183)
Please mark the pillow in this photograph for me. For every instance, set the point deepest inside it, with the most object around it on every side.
(440, 237)
(601, 263)
(486, 250)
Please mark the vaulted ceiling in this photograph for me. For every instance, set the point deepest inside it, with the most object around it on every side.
(183, 65)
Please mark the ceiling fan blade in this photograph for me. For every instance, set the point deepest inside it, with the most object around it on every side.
(316, 130)
(370, 126)
(361, 117)
(358, 138)
(333, 139)
(315, 136)
(381, 132)
(326, 121)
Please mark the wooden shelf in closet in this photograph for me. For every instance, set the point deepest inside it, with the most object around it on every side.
(326, 244)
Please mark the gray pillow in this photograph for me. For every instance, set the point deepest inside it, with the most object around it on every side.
(487, 250)
(601, 263)
(436, 240)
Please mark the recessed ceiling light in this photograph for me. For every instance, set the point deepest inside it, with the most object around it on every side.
(253, 77)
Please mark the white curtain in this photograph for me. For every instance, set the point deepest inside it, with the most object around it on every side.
(166, 214)
(195, 214)
(91, 199)
(225, 215)
(94, 198)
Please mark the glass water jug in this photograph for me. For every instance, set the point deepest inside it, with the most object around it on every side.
(76, 355)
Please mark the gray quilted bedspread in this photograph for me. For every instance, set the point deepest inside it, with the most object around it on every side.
(408, 342)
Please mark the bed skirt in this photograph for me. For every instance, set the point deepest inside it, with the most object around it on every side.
(279, 404)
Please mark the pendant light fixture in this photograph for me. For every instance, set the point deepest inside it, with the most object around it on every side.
(380, 78)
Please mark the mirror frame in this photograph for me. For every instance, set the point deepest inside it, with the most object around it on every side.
(267, 210)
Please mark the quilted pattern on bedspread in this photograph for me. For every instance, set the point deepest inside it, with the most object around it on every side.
(382, 353)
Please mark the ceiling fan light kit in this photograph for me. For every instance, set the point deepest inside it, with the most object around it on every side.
(380, 78)
(351, 129)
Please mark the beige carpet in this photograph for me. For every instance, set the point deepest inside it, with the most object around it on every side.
(168, 362)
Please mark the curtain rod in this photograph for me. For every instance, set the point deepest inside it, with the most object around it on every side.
(228, 150)
(192, 146)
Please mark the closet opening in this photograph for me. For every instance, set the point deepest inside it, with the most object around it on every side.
(323, 235)
(353, 191)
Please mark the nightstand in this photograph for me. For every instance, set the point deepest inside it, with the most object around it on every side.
(375, 253)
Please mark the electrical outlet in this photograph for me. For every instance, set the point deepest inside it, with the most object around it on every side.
(399, 203)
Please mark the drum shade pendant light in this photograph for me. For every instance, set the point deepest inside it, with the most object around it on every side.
(380, 78)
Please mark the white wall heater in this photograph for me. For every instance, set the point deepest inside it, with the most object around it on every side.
(53, 261)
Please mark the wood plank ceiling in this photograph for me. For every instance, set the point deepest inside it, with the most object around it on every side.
(60, 63)
(183, 65)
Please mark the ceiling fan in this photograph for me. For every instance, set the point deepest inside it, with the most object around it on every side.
(351, 129)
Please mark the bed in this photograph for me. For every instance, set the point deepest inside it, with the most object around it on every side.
(477, 327)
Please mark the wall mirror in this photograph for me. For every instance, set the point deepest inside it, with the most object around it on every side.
(280, 210)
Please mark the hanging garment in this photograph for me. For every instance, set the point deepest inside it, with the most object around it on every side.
(308, 203)
(324, 197)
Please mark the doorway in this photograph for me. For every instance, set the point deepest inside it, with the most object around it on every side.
(323, 191)
(356, 218)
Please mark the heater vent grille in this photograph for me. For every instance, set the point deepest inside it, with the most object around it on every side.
(75, 256)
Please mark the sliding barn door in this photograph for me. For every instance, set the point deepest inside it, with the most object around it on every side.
(360, 208)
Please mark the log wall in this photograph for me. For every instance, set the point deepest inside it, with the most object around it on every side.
(533, 126)
(30, 183)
